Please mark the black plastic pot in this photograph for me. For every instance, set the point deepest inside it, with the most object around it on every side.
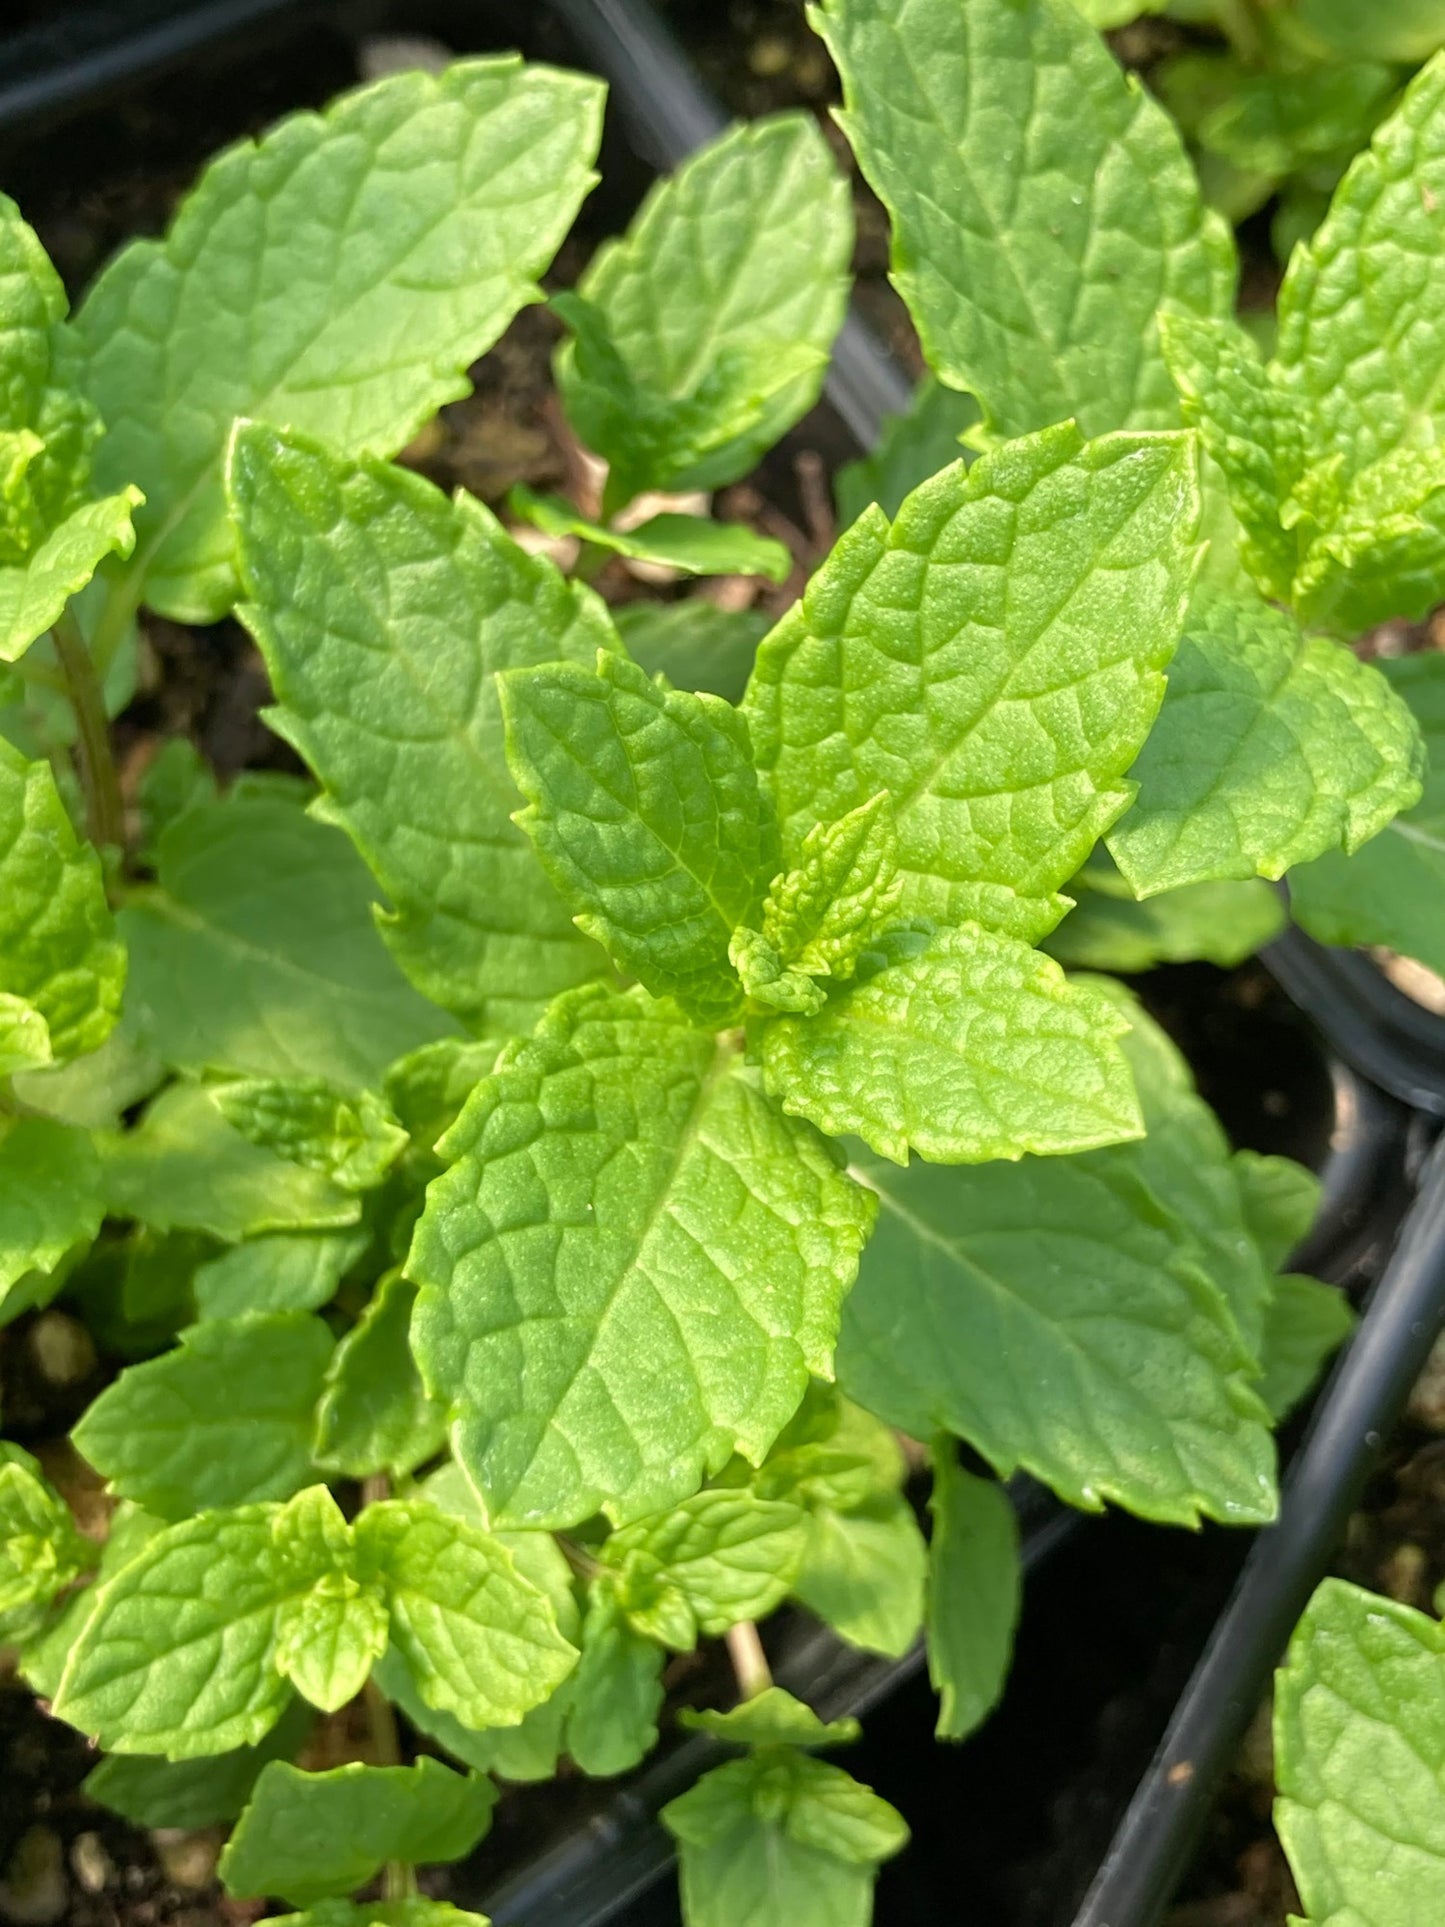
(612, 1864)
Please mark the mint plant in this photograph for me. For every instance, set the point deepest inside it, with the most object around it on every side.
(531, 1179)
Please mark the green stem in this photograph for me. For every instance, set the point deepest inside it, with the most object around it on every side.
(104, 808)
(398, 1876)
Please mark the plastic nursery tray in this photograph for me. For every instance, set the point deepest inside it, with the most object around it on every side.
(605, 1869)
(1374, 1026)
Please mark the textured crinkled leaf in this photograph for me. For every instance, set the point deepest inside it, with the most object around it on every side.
(58, 945)
(32, 300)
(726, 1554)
(354, 1141)
(772, 1718)
(1271, 747)
(912, 447)
(177, 1656)
(24, 1036)
(616, 1694)
(279, 1271)
(184, 1166)
(1391, 892)
(374, 1414)
(1250, 428)
(34, 592)
(1110, 929)
(304, 1836)
(1359, 1733)
(975, 1584)
(339, 276)
(769, 983)
(222, 1420)
(193, 1793)
(383, 611)
(94, 1091)
(1360, 342)
(41, 1551)
(479, 1639)
(862, 1574)
(781, 1840)
(843, 891)
(621, 1189)
(716, 311)
(993, 660)
(428, 1087)
(1042, 205)
(831, 1454)
(693, 644)
(1137, 1385)
(646, 814)
(328, 1639)
(1305, 1323)
(692, 543)
(1382, 554)
(50, 1202)
(963, 1046)
(256, 952)
(43, 1655)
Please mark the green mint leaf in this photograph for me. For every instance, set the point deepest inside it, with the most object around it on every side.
(256, 952)
(693, 1224)
(177, 1654)
(974, 1588)
(767, 980)
(1272, 747)
(384, 245)
(1250, 429)
(939, 1051)
(616, 1693)
(193, 1793)
(281, 1271)
(1275, 123)
(692, 543)
(1147, 1398)
(1357, 1734)
(383, 611)
(478, 1638)
(863, 1573)
(222, 1420)
(646, 814)
(709, 323)
(184, 1166)
(392, 1676)
(43, 1654)
(913, 446)
(1110, 929)
(50, 1202)
(304, 1836)
(692, 644)
(94, 1091)
(719, 1557)
(844, 890)
(1042, 205)
(1382, 552)
(374, 1414)
(354, 1141)
(1409, 30)
(1279, 1198)
(382, 1913)
(1391, 892)
(831, 1454)
(33, 593)
(994, 660)
(1304, 1324)
(1360, 348)
(24, 1036)
(41, 1552)
(58, 946)
(781, 1840)
(428, 1087)
(772, 1718)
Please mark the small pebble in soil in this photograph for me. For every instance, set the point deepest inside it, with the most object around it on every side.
(89, 1862)
(1427, 1400)
(34, 1890)
(61, 1348)
(188, 1858)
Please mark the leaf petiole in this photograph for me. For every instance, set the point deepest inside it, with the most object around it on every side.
(104, 809)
